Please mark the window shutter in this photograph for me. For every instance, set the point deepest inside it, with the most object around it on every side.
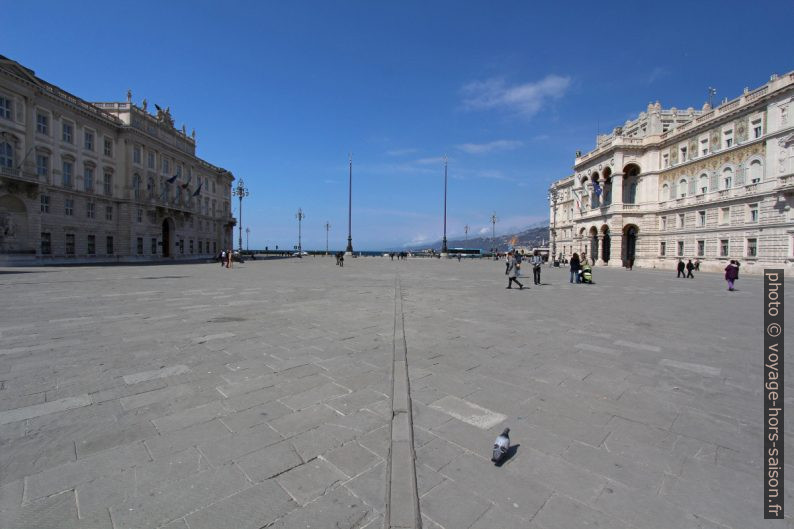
(692, 186)
(713, 181)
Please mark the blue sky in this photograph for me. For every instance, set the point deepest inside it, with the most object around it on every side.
(280, 92)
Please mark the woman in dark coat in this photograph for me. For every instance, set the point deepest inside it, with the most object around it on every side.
(575, 268)
(731, 274)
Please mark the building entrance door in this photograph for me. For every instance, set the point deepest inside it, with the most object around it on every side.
(166, 238)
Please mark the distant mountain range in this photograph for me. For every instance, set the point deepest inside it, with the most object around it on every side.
(534, 236)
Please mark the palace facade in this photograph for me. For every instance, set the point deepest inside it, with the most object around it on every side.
(713, 184)
(101, 182)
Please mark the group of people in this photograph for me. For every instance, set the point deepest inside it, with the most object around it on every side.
(513, 266)
(340, 258)
(226, 258)
(580, 269)
(401, 256)
(688, 267)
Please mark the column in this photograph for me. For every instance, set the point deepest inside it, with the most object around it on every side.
(617, 191)
(600, 257)
(616, 249)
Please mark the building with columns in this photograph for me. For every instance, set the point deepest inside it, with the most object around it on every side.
(713, 184)
(101, 182)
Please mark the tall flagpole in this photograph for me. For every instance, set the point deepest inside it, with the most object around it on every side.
(444, 251)
(349, 249)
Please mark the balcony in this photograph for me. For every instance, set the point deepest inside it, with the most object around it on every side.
(11, 174)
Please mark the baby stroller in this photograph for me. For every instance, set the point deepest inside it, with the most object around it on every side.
(586, 274)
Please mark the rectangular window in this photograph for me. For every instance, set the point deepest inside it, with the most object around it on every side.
(68, 207)
(153, 247)
(190, 245)
(681, 220)
(165, 166)
(45, 203)
(42, 165)
(182, 246)
(704, 147)
(752, 247)
(757, 131)
(701, 218)
(663, 223)
(680, 248)
(88, 140)
(5, 109)
(753, 213)
(46, 243)
(701, 248)
(107, 184)
(727, 138)
(67, 132)
(70, 244)
(662, 248)
(108, 212)
(42, 124)
(213, 186)
(665, 160)
(109, 245)
(683, 154)
(725, 215)
(88, 179)
(108, 147)
(140, 246)
(90, 210)
(92, 245)
(136, 155)
(140, 215)
(150, 160)
(68, 173)
(724, 248)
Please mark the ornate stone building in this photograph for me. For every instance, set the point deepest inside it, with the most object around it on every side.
(86, 181)
(712, 184)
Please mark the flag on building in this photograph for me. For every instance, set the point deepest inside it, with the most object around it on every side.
(186, 184)
(172, 179)
(576, 197)
(197, 192)
(597, 189)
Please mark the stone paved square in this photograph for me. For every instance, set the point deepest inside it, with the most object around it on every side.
(194, 396)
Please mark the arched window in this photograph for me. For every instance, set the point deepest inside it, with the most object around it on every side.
(703, 183)
(682, 187)
(665, 192)
(727, 178)
(756, 171)
(6, 155)
(632, 198)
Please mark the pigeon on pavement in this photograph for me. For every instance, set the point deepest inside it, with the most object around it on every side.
(501, 446)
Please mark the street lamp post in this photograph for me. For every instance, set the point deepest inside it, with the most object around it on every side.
(493, 235)
(466, 231)
(247, 235)
(553, 196)
(444, 251)
(349, 249)
(300, 216)
(240, 192)
(327, 227)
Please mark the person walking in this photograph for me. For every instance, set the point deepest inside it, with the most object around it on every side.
(574, 262)
(689, 268)
(731, 273)
(697, 265)
(229, 258)
(681, 268)
(512, 271)
(536, 261)
(223, 258)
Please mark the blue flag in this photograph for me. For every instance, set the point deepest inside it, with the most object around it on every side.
(172, 179)
(198, 191)
(597, 189)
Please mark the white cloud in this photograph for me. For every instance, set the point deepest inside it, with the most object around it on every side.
(524, 99)
(497, 145)
(430, 161)
(483, 231)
